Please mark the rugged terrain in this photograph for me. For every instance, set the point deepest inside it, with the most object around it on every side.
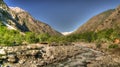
(73, 55)
(18, 19)
(106, 20)
(46, 55)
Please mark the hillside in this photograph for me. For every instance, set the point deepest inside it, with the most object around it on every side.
(18, 27)
(107, 20)
(19, 19)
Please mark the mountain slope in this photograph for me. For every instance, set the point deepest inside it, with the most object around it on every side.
(107, 20)
(94, 22)
(112, 21)
(16, 18)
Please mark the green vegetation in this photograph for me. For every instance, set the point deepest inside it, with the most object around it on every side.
(113, 46)
(7, 37)
(103, 36)
(14, 37)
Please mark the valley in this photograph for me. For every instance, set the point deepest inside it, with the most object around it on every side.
(27, 42)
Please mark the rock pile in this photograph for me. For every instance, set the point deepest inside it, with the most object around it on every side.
(36, 55)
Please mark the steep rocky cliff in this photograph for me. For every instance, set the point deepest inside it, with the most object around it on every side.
(18, 19)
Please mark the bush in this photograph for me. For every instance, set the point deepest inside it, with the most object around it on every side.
(113, 46)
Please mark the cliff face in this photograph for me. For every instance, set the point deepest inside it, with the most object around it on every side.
(18, 19)
(106, 20)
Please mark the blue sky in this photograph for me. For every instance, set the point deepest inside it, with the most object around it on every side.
(64, 15)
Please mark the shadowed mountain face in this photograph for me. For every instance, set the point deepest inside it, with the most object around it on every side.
(107, 20)
(16, 18)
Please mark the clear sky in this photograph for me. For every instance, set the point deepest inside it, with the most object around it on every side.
(64, 15)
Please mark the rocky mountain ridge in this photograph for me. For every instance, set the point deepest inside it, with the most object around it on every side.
(106, 20)
(19, 19)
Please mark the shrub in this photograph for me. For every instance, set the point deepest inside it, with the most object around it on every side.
(113, 46)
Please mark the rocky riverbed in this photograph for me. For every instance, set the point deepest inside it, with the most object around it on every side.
(39, 55)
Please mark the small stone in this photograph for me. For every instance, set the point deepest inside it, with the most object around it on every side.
(117, 60)
(22, 61)
(52, 57)
(3, 57)
(32, 52)
(61, 65)
(12, 58)
(2, 52)
(34, 62)
(99, 58)
(41, 63)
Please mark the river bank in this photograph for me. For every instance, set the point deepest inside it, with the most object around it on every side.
(40, 55)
